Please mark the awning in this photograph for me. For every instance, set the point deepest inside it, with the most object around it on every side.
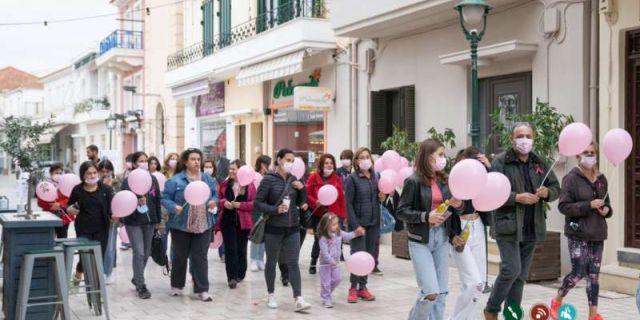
(271, 69)
(47, 137)
(192, 89)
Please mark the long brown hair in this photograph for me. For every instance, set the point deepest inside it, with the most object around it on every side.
(325, 224)
(355, 163)
(424, 171)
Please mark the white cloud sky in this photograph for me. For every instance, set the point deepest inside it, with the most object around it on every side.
(34, 49)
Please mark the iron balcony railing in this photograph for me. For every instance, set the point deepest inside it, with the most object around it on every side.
(266, 21)
(124, 39)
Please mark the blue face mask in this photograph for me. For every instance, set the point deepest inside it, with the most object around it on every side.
(143, 209)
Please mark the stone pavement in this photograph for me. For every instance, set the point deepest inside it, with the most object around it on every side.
(395, 292)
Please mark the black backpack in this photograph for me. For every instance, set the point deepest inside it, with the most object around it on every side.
(158, 255)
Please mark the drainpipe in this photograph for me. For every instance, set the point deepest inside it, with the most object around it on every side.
(353, 53)
(593, 70)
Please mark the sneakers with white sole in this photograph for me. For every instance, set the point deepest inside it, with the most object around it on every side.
(261, 265)
(327, 304)
(109, 279)
(205, 297)
(271, 301)
(175, 292)
(254, 266)
(301, 305)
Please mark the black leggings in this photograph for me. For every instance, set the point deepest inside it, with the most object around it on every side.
(102, 236)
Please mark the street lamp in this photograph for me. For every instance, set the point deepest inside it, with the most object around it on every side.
(472, 13)
(111, 124)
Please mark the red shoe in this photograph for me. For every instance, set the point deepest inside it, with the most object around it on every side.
(365, 295)
(353, 296)
(553, 309)
(596, 317)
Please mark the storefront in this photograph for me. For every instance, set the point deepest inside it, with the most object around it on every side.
(212, 127)
(301, 127)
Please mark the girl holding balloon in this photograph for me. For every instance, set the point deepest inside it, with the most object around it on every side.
(140, 226)
(187, 196)
(235, 205)
(585, 206)
(326, 201)
(55, 201)
(432, 226)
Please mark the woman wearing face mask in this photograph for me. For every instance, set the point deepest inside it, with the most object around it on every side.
(430, 232)
(170, 164)
(191, 225)
(154, 165)
(105, 170)
(141, 224)
(235, 222)
(324, 175)
(257, 250)
(90, 202)
(346, 156)
(280, 198)
(57, 207)
(363, 212)
(209, 167)
(581, 201)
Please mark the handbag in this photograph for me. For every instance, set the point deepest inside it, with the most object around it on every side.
(256, 235)
(387, 222)
(158, 255)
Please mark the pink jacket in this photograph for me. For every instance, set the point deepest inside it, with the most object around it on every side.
(245, 210)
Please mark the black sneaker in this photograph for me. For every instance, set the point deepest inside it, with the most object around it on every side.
(142, 292)
(377, 271)
(233, 284)
(285, 281)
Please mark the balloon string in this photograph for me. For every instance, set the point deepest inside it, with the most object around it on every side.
(549, 172)
(606, 196)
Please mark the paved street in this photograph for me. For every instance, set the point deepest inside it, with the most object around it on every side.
(395, 292)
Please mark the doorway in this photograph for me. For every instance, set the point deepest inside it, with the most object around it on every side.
(632, 125)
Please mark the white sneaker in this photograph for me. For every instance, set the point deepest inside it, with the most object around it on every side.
(271, 301)
(254, 266)
(175, 292)
(261, 265)
(301, 305)
(110, 279)
(205, 297)
(327, 304)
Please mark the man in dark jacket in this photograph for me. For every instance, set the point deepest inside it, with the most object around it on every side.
(520, 222)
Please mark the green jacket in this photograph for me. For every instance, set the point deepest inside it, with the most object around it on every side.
(508, 220)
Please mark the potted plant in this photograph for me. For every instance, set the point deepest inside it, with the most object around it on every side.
(21, 141)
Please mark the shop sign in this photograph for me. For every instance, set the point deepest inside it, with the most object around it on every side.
(312, 99)
(212, 102)
(283, 90)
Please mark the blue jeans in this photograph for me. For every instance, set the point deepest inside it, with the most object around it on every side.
(257, 252)
(431, 265)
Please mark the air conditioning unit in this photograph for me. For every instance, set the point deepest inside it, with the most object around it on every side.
(606, 6)
(369, 60)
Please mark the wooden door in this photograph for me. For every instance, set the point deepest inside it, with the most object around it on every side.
(632, 119)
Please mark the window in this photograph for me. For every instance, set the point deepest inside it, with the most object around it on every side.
(213, 138)
(225, 23)
(391, 108)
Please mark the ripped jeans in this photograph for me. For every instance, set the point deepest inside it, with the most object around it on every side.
(586, 257)
(431, 266)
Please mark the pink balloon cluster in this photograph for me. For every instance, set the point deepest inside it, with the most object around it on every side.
(47, 191)
(393, 169)
(469, 180)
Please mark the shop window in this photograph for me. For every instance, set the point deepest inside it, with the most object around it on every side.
(391, 108)
(213, 139)
(301, 131)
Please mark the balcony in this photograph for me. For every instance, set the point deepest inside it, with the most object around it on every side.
(387, 18)
(276, 33)
(121, 51)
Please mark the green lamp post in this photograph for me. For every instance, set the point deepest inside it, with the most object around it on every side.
(473, 13)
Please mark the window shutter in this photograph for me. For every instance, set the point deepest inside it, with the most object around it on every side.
(379, 120)
(261, 21)
(207, 26)
(408, 111)
(225, 23)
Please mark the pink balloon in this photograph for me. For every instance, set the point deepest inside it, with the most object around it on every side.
(467, 179)
(47, 191)
(217, 240)
(327, 195)
(197, 193)
(257, 178)
(139, 181)
(378, 166)
(124, 237)
(245, 175)
(495, 193)
(123, 204)
(361, 263)
(387, 183)
(404, 162)
(617, 145)
(298, 168)
(67, 182)
(162, 180)
(574, 138)
(405, 173)
(391, 160)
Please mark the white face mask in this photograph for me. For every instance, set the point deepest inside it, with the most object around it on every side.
(173, 163)
(288, 166)
(327, 172)
(441, 163)
(365, 164)
(588, 162)
(524, 145)
(208, 171)
(143, 165)
(345, 162)
(92, 181)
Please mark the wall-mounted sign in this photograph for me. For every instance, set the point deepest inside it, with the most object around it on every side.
(212, 102)
(312, 99)
(282, 96)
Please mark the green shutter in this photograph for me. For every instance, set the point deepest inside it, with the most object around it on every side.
(261, 21)
(225, 23)
(408, 111)
(286, 10)
(207, 26)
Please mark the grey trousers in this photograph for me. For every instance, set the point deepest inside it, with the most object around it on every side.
(365, 243)
(289, 244)
(515, 260)
(140, 238)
